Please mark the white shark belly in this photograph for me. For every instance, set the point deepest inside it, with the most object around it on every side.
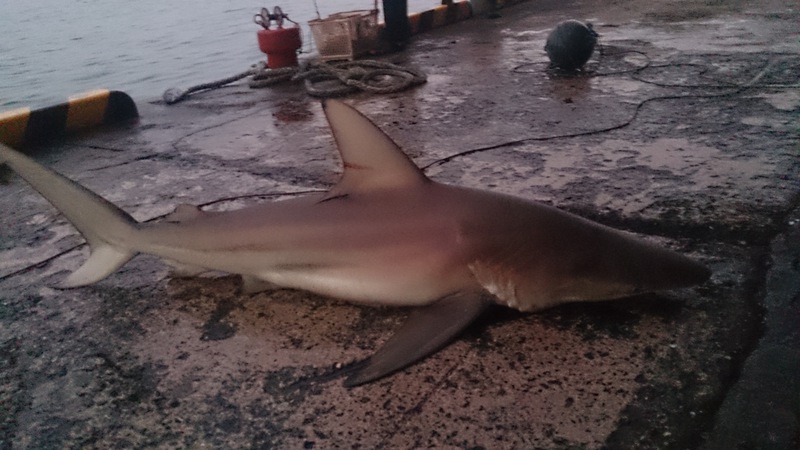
(406, 270)
(345, 283)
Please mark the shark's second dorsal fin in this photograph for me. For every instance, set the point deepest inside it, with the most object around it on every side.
(184, 212)
(371, 159)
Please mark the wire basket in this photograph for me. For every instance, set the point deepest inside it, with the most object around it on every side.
(345, 35)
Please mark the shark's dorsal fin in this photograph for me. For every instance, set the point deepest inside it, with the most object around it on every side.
(371, 159)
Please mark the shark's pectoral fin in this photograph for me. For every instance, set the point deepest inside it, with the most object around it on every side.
(427, 330)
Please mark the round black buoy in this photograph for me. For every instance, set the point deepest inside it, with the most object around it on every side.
(570, 44)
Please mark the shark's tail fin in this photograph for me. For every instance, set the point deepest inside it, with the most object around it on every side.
(108, 230)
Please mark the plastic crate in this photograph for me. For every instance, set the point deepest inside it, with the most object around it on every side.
(345, 35)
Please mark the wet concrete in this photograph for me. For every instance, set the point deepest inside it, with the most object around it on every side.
(684, 129)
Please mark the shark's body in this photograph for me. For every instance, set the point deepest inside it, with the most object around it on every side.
(384, 234)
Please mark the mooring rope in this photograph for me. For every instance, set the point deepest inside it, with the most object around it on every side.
(265, 77)
(175, 95)
(321, 79)
(377, 77)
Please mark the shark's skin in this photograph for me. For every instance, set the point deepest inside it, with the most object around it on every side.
(385, 234)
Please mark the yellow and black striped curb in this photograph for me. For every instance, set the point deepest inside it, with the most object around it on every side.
(23, 126)
(440, 16)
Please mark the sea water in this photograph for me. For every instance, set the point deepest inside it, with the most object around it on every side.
(55, 48)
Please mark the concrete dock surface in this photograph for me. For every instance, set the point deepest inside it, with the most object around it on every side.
(685, 129)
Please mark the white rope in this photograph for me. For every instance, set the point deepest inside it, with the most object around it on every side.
(321, 79)
(175, 95)
(377, 77)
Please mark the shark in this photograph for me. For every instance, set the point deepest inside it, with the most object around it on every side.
(384, 234)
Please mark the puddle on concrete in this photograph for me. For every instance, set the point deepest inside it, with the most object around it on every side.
(19, 257)
(787, 100)
(777, 124)
(619, 86)
(714, 35)
(705, 165)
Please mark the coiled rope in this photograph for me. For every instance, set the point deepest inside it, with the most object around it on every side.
(321, 79)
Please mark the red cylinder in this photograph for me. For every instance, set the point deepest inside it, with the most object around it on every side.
(280, 45)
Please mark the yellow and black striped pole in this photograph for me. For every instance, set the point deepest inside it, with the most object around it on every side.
(23, 126)
(440, 16)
